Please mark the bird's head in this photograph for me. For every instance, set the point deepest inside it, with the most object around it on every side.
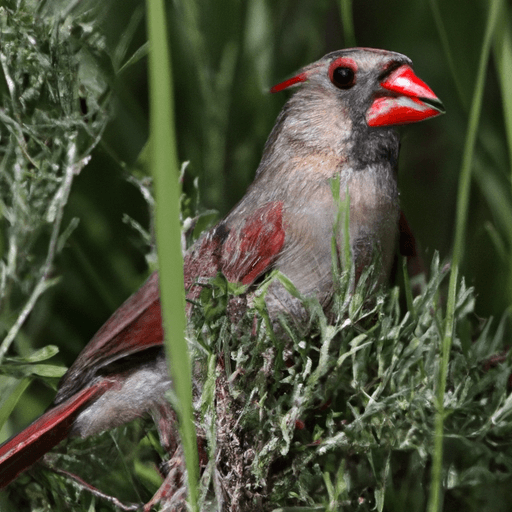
(344, 106)
(375, 85)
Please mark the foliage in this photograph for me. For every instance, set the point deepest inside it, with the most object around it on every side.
(342, 417)
(54, 111)
(338, 416)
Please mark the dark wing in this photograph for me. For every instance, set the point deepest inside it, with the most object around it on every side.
(135, 326)
(242, 254)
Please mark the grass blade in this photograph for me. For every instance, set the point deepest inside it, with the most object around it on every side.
(460, 227)
(165, 171)
(347, 20)
(503, 57)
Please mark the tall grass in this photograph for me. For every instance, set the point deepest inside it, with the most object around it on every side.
(503, 58)
(164, 163)
(495, 10)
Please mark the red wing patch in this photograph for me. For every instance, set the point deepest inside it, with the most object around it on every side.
(242, 253)
(250, 251)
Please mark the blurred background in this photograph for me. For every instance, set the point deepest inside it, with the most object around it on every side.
(226, 55)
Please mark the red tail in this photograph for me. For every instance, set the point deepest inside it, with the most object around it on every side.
(24, 449)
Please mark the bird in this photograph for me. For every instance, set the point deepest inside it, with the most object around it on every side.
(338, 125)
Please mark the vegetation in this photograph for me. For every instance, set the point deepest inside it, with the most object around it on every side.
(344, 416)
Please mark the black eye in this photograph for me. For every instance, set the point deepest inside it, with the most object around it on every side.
(343, 77)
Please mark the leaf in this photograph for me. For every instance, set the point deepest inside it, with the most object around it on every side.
(26, 370)
(11, 389)
(39, 355)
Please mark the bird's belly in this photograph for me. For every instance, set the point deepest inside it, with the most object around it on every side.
(312, 227)
(373, 235)
(136, 391)
(373, 218)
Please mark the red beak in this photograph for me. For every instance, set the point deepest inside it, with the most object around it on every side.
(412, 100)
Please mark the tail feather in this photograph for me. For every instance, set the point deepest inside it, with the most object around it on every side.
(23, 450)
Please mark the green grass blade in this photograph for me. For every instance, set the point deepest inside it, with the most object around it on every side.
(11, 390)
(408, 288)
(503, 58)
(347, 20)
(165, 170)
(443, 36)
(460, 227)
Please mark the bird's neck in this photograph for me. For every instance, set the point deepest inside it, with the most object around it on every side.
(374, 147)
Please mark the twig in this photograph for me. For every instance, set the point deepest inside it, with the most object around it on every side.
(94, 491)
(55, 213)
